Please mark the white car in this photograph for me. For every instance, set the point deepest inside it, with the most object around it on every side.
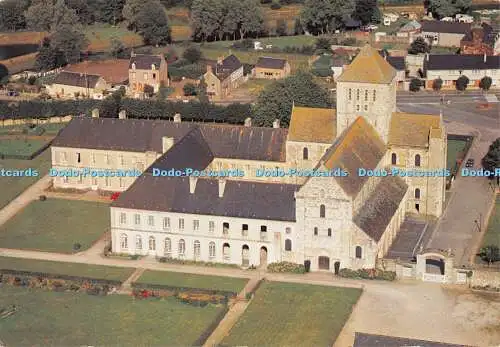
(371, 27)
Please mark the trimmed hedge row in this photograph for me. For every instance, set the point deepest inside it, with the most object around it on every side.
(285, 266)
(194, 262)
(60, 277)
(177, 290)
(371, 274)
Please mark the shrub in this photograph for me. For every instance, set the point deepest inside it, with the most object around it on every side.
(368, 274)
(77, 246)
(485, 83)
(192, 54)
(135, 256)
(415, 85)
(437, 84)
(42, 197)
(462, 83)
(307, 265)
(350, 41)
(275, 5)
(189, 89)
(286, 267)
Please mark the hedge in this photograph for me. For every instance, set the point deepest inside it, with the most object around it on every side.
(286, 267)
(60, 277)
(227, 294)
(372, 274)
(194, 262)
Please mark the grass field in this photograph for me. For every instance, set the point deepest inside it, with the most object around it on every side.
(17, 145)
(71, 269)
(255, 86)
(55, 225)
(279, 42)
(45, 318)
(455, 151)
(286, 314)
(11, 187)
(48, 129)
(100, 35)
(492, 236)
(184, 280)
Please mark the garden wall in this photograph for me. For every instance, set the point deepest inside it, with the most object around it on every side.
(21, 121)
(486, 277)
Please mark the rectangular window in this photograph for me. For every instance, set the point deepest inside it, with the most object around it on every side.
(151, 221)
(211, 226)
(78, 158)
(123, 218)
(146, 76)
(154, 76)
(181, 223)
(244, 230)
(122, 160)
(166, 223)
(137, 219)
(196, 225)
(263, 228)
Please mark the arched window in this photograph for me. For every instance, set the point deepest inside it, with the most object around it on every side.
(305, 153)
(123, 241)
(366, 107)
(288, 245)
(357, 94)
(366, 95)
(182, 247)
(288, 230)
(196, 249)
(152, 243)
(138, 242)
(417, 160)
(359, 252)
(322, 211)
(394, 159)
(357, 107)
(226, 251)
(417, 193)
(330, 232)
(315, 231)
(168, 246)
(211, 249)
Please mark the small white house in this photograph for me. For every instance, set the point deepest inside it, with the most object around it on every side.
(390, 18)
(257, 45)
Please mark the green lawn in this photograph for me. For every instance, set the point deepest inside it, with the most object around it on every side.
(100, 35)
(100, 272)
(17, 145)
(11, 187)
(55, 225)
(455, 151)
(492, 236)
(290, 314)
(45, 318)
(277, 42)
(256, 86)
(177, 279)
(42, 129)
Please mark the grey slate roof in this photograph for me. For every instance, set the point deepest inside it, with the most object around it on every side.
(436, 26)
(370, 340)
(241, 199)
(397, 62)
(145, 61)
(377, 211)
(76, 79)
(461, 62)
(271, 63)
(227, 67)
(138, 135)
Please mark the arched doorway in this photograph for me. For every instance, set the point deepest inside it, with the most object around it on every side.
(226, 252)
(336, 267)
(263, 256)
(245, 255)
(434, 265)
(324, 263)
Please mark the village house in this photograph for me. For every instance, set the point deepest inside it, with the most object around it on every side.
(271, 68)
(410, 30)
(147, 70)
(75, 84)
(446, 34)
(223, 76)
(332, 220)
(113, 71)
(449, 67)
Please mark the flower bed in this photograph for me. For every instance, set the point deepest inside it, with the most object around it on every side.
(369, 274)
(196, 263)
(178, 290)
(195, 298)
(286, 267)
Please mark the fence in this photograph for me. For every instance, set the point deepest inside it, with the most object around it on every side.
(51, 120)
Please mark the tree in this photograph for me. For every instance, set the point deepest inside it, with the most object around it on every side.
(130, 11)
(325, 16)
(49, 15)
(323, 43)
(297, 28)
(148, 90)
(117, 48)
(490, 254)
(415, 85)
(4, 72)
(12, 14)
(82, 9)
(275, 101)
(448, 8)
(152, 24)
(202, 92)
(437, 84)
(48, 57)
(462, 83)
(419, 45)
(70, 40)
(367, 11)
(485, 83)
(281, 27)
(189, 89)
(192, 54)
(107, 11)
(491, 160)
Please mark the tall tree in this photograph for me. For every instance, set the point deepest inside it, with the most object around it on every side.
(82, 9)
(48, 15)
(275, 101)
(325, 16)
(366, 11)
(12, 14)
(130, 11)
(462, 83)
(419, 45)
(492, 159)
(48, 57)
(107, 11)
(205, 16)
(69, 40)
(447, 8)
(485, 83)
(152, 24)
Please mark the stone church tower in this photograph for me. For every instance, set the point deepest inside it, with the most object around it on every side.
(367, 88)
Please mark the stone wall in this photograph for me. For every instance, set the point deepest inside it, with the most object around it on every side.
(56, 119)
(486, 277)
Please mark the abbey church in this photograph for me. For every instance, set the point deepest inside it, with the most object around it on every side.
(334, 221)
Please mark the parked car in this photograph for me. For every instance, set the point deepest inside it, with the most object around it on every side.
(469, 163)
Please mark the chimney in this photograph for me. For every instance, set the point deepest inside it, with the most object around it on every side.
(166, 143)
(177, 118)
(192, 184)
(485, 57)
(122, 114)
(95, 113)
(248, 122)
(276, 123)
(427, 56)
(222, 185)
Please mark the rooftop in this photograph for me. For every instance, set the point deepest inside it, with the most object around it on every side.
(309, 124)
(225, 67)
(113, 71)
(368, 67)
(145, 61)
(461, 62)
(76, 79)
(371, 340)
(408, 129)
(271, 63)
(436, 26)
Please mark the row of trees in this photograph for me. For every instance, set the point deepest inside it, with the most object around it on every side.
(447, 8)
(461, 83)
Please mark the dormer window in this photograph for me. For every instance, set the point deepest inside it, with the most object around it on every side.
(133, 66)
(153, 67)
